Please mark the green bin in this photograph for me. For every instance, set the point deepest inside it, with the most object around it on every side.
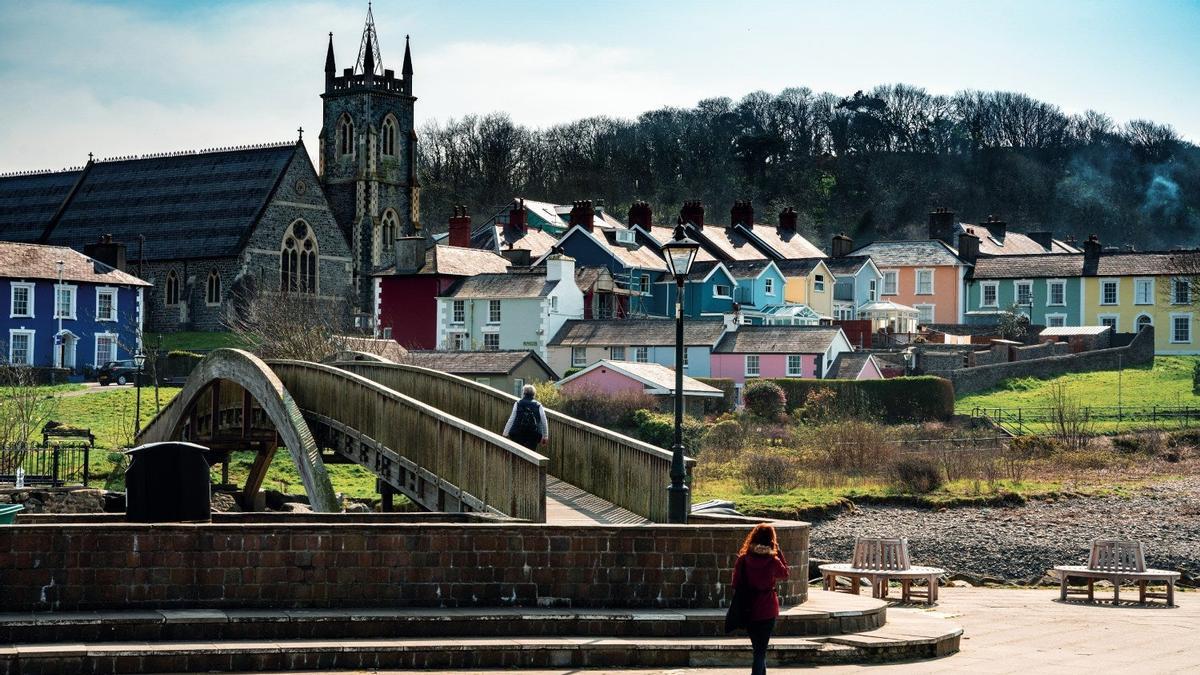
(8, 513)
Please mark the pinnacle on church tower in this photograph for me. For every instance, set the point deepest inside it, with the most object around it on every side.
(369, 60)
(407, 70)
(330, 68)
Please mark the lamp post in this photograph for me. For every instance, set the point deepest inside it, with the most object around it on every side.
(139, 359)
(680, 253)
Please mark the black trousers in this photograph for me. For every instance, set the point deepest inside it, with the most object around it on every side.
(529, 440)
(760, 635)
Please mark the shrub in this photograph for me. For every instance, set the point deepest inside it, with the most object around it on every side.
(917, 474)
(718, 406)
(831, 404)
(767, 472)
(548, 394)
(900, 399)
(852, 447)
(659, 429)
(602, 408)
(1034, 447)
(726, 436)
(765, 399)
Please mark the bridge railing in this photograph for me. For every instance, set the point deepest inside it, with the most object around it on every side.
(625, 471)
(478, 461)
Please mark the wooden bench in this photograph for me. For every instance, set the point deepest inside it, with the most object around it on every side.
(1117, 562)
(879, 561)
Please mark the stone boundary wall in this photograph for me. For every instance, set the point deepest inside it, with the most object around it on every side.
(69, 567)
(968, 380)
(1034, 351)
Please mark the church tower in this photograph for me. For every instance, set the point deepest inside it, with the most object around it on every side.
(368, 157)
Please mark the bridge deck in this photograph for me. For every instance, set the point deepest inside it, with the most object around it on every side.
(567, 504)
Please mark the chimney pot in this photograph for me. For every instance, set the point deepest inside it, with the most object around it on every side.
(742, 213)
(517, 217)
(583, 213)
(787, 219)
(693, 213)
(460, 228)
(842, 245)
(641, 215)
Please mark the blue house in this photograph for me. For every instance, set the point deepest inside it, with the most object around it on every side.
(63, 309)
(710, 291)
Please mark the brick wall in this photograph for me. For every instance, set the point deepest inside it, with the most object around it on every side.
(86, 566)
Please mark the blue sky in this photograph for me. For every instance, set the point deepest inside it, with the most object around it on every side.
(122, 78)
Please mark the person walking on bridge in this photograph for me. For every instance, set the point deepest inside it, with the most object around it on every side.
(759, 565)
(527, 424)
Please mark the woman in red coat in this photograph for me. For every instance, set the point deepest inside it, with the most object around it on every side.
(759, 565)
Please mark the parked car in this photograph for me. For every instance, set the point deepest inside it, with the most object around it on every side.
(121, 372)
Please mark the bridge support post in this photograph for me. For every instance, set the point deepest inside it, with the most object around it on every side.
(386, 495)
(258, 473)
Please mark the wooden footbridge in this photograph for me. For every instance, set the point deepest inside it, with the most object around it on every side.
(431, 436)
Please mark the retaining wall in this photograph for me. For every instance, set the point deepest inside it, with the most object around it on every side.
(89, 565)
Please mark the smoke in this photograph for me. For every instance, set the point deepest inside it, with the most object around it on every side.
(1162, 197)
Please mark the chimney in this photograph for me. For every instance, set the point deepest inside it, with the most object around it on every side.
(583, 213)
(968, 247)
(107, 251)
(559, 267)
(841, 246)
(518, 217)
(742, 213)
(410, 254)
(460, 228)
(1043, 239)
(1091, 255)
(997, 228)
(641, 215)
(941, 225)
(517, 257)
(693, 213)
(787, 220)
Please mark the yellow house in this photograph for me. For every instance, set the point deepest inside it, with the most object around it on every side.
(1130, 290)
(807, 281)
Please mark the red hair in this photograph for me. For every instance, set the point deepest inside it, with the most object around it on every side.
(762, 534)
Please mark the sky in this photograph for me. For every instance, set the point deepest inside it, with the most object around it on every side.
(132, 77)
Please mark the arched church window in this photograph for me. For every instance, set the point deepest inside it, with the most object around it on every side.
(212, 289)
(345, 136)
(389, 136)
(298, 270)
(171, 297)
(389, 229)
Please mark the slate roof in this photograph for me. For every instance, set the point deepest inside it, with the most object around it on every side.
(915, 253)
(778, 340)
(653, 375)
(846, 265)
(1147, 263)
(639, 256)
(649, 332)
(189, 205)
(662, 234)
(456, 261)
(731, 243)
(1014, 243)
(788, 244)
(1049, 265)
(746, 269)
(382, 347)
(522, 284)
(474, 363)
(27, 203)
(499, 238)
(799, 268)
(32, 261)
(586, 277)
(848, 365)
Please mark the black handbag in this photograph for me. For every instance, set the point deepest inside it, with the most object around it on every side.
(738, 614)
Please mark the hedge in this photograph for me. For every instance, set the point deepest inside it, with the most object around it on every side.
(899, 399)
(717, 406)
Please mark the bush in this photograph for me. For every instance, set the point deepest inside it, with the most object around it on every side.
(1034, 447)
(719, 406)
(765, 399)
(832, 404)
(726, 436)
(548, 394)
(602, 408)
(900, 399)
(659, 429)
(764, 473)
(853, 447)
(917, 474)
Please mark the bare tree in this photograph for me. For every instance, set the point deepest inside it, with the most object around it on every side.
(1069, 420)
(24, 410)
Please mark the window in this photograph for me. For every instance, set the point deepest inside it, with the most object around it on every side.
(1058, 292)
(890, 282)
(989, 294)
(1108, 291)
(645, 283)
(1143, 291)
(578, 357)
(171, 296)
(721, 291)
(389, 229)
(106, 348)
(458, 312)
(1024, 292)
(752, 365)
(1109, 320)
(818, 283)
(20, 347)
(924, 314)
(212, 288)
(616, 353)
(389, 136)
(1181, 328)
(641, 354)
(106, 304)
(1056, 320)
(769, 286)
(345, 136)
(924, 282)
(64, 306)
(1142, 321)
(298, 260)
(21, 296)
(491, 342)
(493, 311)
(518, 385)
(1181, 292)
(458, 341)
(871, 288)
(553, 304)
(795, 365)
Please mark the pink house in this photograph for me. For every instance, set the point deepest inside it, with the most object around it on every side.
(616, 377)
(778, 351)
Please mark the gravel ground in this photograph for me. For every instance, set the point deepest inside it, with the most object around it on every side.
(1021, 543)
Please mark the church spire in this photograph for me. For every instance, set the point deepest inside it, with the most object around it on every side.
(407, 71)
(330, 68)
(369, 61)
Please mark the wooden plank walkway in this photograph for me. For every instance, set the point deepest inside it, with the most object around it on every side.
(567, 504)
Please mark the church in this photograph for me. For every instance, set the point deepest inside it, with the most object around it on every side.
(205, 227)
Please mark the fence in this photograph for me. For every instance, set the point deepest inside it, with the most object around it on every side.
(53, 466)
(1017, 421)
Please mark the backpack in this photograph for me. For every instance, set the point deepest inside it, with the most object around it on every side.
(527, 422)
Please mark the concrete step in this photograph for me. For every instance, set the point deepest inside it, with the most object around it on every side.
(824, 614)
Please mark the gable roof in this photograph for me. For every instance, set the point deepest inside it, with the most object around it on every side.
(661, 234)
(785, 244)
(1013, 243)
(848, 365)
(625, 332)
(637, 256)
(728, 243)
(657, 378)
(916, 253)
(501, 362)
(525, 283)
(778, 340)
(801, 267)
(382, 347)
(457, 261)
(499, 237)
(847, 265)
(1041, 265)
(28, 202)
(33, 261)
(748, 269)
(1146, 263)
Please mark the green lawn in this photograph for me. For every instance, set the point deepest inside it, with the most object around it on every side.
(190, 341)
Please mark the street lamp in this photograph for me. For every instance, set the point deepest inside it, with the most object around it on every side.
(680, 253)
(60, 348)
(139, 359)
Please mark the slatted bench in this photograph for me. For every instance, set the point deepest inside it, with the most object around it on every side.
(1117, 562)
(880, 560)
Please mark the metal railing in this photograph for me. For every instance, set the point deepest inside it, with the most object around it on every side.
(53, 466)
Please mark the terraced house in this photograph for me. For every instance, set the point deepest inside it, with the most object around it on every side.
(1047, 288)
(924, 275)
